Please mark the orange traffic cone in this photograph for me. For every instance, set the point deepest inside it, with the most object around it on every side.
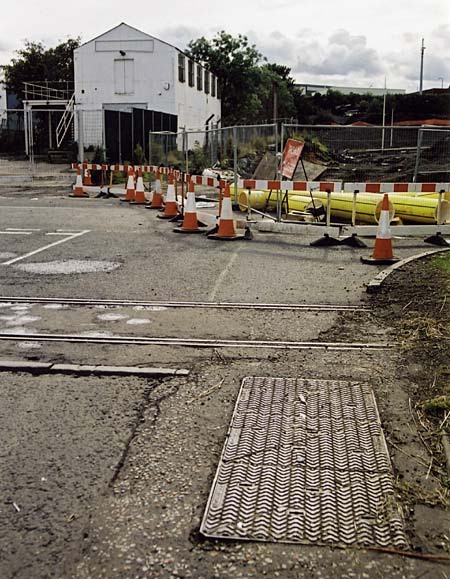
(139, 198)
(78, 190)
(171, 208)
(87, 178)
(157, 199)
(382, 251)
(226, 229)
(130, 194)
(190, 221)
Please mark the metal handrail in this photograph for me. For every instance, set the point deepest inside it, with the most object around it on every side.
(65, 121)
(44, 91)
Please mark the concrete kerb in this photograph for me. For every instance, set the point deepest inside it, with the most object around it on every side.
(375, 285)
(85, 370)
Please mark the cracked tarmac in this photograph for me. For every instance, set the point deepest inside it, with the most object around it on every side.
(110, 476)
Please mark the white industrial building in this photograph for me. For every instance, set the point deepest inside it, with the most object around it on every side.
(126, 69)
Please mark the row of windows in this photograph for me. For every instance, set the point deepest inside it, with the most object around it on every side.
(203, 79)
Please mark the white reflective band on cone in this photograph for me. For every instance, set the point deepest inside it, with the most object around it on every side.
(227, 211)
(190, 203)
(170, 195)
(140, 184)
(130, 182)
(157, 186)
(384, 228)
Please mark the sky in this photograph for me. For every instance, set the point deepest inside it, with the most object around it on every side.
(344, 43)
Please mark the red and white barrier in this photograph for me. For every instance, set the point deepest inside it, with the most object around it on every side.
(397, 187)
(277, 185)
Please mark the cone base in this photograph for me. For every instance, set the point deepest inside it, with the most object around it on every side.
(181, 230)
(227, 238)
(380, 261)
(159, 207)
(162, 216)
(325, 241)
(353, 241)
(437, 239)
(79, 195)
(138, 202)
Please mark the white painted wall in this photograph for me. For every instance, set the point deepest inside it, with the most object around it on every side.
(125, 68)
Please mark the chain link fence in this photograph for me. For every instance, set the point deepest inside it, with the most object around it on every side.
(29, 148)
(371, 153)
(230, 152)
(432, 155)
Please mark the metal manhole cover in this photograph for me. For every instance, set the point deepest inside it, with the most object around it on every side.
(305, 461)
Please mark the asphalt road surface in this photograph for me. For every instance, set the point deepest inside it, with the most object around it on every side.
(109, 476)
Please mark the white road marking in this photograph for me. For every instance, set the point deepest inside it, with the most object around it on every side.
(21, 229)
(223, 274)
(69, 238)
(16, 232)
(60, 233)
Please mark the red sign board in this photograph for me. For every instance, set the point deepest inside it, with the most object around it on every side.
(291, 156)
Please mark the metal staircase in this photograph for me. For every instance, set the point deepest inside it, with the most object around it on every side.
(66, 121)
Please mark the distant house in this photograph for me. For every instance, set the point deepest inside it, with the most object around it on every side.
(312, 89)
(130, 71)
(424, 122)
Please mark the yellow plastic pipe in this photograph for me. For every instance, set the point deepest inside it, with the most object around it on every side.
(258, 200)
(419, 209)
(367, 207)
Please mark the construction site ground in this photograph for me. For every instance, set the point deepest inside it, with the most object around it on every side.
(108, 477)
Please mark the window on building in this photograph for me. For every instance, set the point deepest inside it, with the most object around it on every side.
(219, 88)
(199, 77)
(213, 85)
(191, 73)
(181, 68)
(206, 82)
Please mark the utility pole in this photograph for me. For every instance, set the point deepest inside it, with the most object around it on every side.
(275, 101)
(384, 115)
(422, 50)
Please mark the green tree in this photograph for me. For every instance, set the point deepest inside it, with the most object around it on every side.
(36, 63)
(273, 77)
(235, 63)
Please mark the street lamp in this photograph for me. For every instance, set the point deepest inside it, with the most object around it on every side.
(441, 78)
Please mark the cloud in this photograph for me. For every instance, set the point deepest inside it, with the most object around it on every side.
(344, 54)
(180, 36)
(406, 63)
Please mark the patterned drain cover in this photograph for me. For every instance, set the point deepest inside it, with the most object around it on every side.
(305, 461)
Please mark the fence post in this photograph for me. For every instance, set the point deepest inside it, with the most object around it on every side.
(26, 127)
(150, 147)
(235, 163)
(80, 136)
(418, 154)
(185, 151)
(31, 141)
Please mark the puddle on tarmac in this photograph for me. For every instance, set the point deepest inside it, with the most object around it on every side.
(21, 320)
(149, 308)
(6, 255)
(111, 317)
(29, 345)
(138, 321)
(55, 307)
(6, 305)
(92, 334)
(17, 330)
(68, 267)
(22, 308)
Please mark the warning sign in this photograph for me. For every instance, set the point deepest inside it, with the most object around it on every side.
(291, 156)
